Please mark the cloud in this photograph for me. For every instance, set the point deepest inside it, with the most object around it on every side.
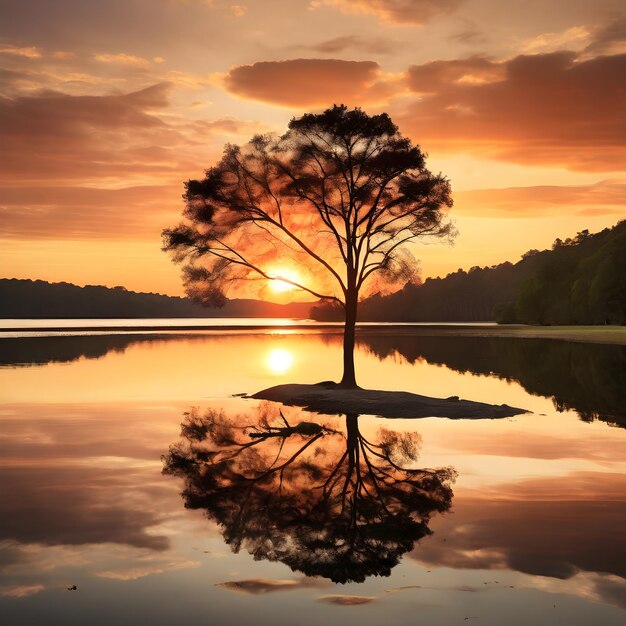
(574, 38)
(31, 568)
(78, 133)
(64, 55)
(433, 77)
(309, 82)
(74, 508)
(408, 12)
(611, 590)
(463, 588)
(372, 45)
(100, 166)
(539, 446)
(123, 59)
(546, 109)
(20, 591)
(345, 600)
(238, 10)
(606, 197)
(84, 498)
(405, 588)
(469, 36)
(527, 527)
(30, 52)
(146, 566)
(59, 147)
(50, 212)
(261, 586)
(609, 38)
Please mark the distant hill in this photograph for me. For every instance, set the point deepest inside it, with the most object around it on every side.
(34, 299)
(580, 281)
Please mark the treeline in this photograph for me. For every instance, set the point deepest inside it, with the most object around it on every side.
(32, 299)
(580, 281)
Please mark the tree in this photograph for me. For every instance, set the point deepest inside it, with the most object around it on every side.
(345, 509)
(337, 197)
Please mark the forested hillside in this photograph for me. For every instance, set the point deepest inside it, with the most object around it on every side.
(579, 281)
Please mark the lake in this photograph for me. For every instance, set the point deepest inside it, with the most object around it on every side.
(272, 515)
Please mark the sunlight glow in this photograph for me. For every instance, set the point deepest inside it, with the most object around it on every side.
(279, 361)
(280, 286)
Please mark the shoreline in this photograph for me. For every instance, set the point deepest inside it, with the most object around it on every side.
(614, 335)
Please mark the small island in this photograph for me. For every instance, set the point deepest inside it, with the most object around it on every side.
(330, 398)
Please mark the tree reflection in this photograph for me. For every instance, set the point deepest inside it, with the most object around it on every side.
(324, 502)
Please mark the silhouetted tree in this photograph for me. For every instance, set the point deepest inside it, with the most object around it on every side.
(345, 510)
(337, 196)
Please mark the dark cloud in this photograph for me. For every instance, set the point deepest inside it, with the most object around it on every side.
(608, 37)
(70, 506)
(59, 491)
(469, 36)
(304, 82)
(352, 42)
(546, 109)
(528, 527)
(436, 76)
(611, 591)
(395, 11)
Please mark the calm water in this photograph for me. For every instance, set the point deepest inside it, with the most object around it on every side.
(354, 520)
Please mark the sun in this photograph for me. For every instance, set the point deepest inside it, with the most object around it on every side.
(280, 286)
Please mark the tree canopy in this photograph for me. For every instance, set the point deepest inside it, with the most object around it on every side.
(328, 208)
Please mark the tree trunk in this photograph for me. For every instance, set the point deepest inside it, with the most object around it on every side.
(352, 431)
(349, 377)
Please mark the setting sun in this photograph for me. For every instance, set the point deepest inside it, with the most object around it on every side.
(280, 286)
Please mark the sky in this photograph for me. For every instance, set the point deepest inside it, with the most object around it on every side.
(106, 108)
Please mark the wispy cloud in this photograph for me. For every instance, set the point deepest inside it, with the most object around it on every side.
(30, 52)
(20, 591)
(347, 600)
(410, 12)
(262, 586)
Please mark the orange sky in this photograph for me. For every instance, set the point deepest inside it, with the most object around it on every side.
(108, 107)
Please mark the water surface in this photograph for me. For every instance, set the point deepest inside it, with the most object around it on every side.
(512, 521)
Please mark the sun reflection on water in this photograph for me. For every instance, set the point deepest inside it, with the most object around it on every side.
(279, 361)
